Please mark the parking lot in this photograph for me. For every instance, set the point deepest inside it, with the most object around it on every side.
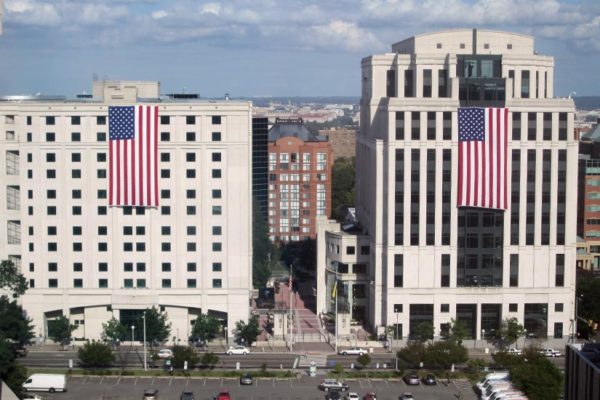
(170, 388)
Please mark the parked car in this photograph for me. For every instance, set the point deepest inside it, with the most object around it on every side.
(150, 394)
(370, 396)
(223, 395)
(514, 351)
(238, 350)
(165, 353)
(354, 351)
(411, 379)
(407, 396)
(332, 384)
(550, 352)
(31, 396)
(46, 383)
(352, 396)
(333, 395)
(429, 380)
(246, 379)
(186, 395)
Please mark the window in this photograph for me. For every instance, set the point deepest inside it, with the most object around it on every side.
(166, 283)
(445, 270)
(76, 210)
(426, 83)
(191, 247)
(408, 83)
(102, 267)
(128, 283)
(102, 283)
(442, 83)
(165, 210)
(216, 210)
(190, 157)
(165, 137)
(101, 174)
(76, 174)
(101, 136)
(558, 330)
(216, 157)
(216, 120)
(140, 230)
(165, 230)
(191, 173)
(190, 120)
(52, 230)
(400, 125)
(216, 173)
(191, 210)
(52, 267)
(127, 246)
(166, 267)
(191, 267)
(165, 173)
(75, 137)
(560, 270)
(513, 307)
(558, 307)
(101, 157)
(190, 194)
(165, 194)
(217, 283)
(165, 246)
(216, 230)
(444, 308)
(216, 136)
(140, 267)
(50, 174)
(191, 283)
(190, 136)
(102, 210)
(217, 246)
(128, 267)
(101, 194)
(391, 83)
(416, 125)
(140, 246)
(77, 246)
(525, 84)
(76, 230)
(165, 120)
(51, 210)
(514, 270)
(101, 120)
(216, 193)
(78, 283)
(217, 267)
(191, 230)
(52, 283)
(398, 270)
(365, 250)
(50, 120)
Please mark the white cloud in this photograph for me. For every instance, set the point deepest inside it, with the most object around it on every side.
(211, 8)
(31, 12)
(342, 34)
(159, 14)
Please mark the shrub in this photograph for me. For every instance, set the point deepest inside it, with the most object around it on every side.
(182, 354)
(95, 355)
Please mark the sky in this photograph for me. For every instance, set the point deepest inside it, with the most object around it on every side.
(252, 48)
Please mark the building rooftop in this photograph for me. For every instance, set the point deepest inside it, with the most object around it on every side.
(294, 127)
(593, 135)
(589, 351)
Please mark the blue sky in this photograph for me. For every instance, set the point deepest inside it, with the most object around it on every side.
(265, 47)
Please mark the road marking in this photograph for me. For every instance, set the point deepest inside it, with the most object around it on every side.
(84, 379)
(135, 382)
(369, 382)
(187, 382)
(387, 383)
(221, 382)
(153, 381)
(204, 383)
(273, 382)
(119, 380)
(101, 379)
(360, 383)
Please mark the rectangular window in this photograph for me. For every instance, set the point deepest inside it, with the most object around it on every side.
(165, 137)
(531, 126)
(561, 197)
(408, 83)
(558, 307)
(101, 120)
(103, 267)
(102, 283)
(190, 120)
(101, 137)
(516, 125)
(216, 173)
(166, 267)
(547, 126)
(430, 199)
(165, 120)
(128, 267)
(430, 125)
(445, 270)
(415, 197)
(350, 250)
(128, 283)
(75, 137)
(216, 157)
(78, 283)
(562, 126)
(426, 83)
(560, 270)
(514, 270)
(217, 283)
(190, 136)
(217, 246)
(415, 129)
(166, 283)
(216, 136)
(391, 83)
(191, 283)
(52, 267)
(447, 125)
(530, 198)
(140, 283)
(400, 125)
(443, 83)
(558, 330)
(216, 120)
(525, 84)
(216, 230)
(52, 283)
(398, 270)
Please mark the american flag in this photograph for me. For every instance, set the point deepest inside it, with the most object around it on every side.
(482, 153)
(133, 169)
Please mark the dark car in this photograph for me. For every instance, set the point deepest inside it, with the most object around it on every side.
(186, 395)
(411, 379)
(150, 394)
(246, 380)
(429, 380)
(333, 395)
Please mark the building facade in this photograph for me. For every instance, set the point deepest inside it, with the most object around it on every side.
(299, 180)
(343, 142)
(429, 260)
(582, 371)
(90, 262)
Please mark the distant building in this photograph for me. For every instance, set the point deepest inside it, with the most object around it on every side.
(299, 180)
(582, 371)
(343, 142)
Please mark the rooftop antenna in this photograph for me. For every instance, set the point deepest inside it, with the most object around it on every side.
(573, 93)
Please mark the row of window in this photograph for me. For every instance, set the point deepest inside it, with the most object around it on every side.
(12, 157)
(216, 173)
(101, 194)
(130, 283)
(101, 137)
(445, 308)
(128, 246)
(101, 119)
(127, 267)
(103, 210)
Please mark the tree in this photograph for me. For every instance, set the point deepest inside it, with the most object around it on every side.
(60, 330)
(364, 360)
(445, 353)
(95, 355)
(538, 378)
(423, 332)
(157, 326)
(209, 359)
(458, 331)
(11, 372)
(14, 323)
(247, 333)
(264, 254)
(11, 279)
(181, 354)
(588, 304)
(342, 186)
(113, 331)
(510, 330)
(206, 327)
(413, 353)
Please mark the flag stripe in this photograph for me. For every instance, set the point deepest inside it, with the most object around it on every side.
(482, 158)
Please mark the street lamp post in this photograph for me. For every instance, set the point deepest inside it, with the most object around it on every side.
(132, 330)
(336, 313)
(145, 361)
(483, 338)
(226, 337)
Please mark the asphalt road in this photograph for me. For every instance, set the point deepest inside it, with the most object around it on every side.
(305, 388)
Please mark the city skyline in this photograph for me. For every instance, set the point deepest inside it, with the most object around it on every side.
(265, 48)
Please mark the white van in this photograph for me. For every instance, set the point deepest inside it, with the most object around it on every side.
(46, 383)
(492, 377)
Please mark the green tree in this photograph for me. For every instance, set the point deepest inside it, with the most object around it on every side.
(14, 323)
(413, 353)
(157, 326)
(263, 252)
(95, 355)
(588, 308)
(11, 279)
(342, 186)
(423, 332)
(113, 331)
(60, 330)
(538, 378)
(11, 372)
(445, 353)
(247, 333)
(206, 327)
(364, 360)
(181, 354)
(506, 360)
(510, 330)
(458, 331)
(209, 360)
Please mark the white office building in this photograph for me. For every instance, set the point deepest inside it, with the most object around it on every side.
(417, 257)
(89, 261)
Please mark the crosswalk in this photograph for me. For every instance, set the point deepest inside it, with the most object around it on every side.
(319, 360)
